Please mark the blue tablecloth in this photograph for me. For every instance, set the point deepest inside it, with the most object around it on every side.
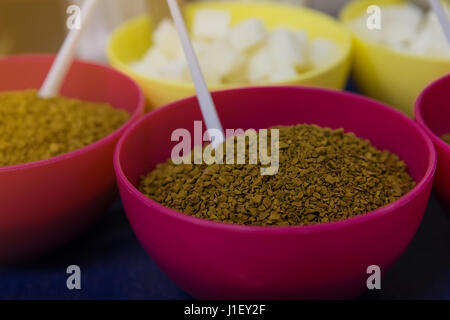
(114, 266)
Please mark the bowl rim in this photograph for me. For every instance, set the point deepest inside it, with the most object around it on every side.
(418, 112)
(343, 16)
(345, 49)
(303, 229)
(139, 109)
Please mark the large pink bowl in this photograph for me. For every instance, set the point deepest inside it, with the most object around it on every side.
(45, 203)
(432, 111)
(216, 260)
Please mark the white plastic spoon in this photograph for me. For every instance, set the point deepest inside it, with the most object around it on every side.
(205, 100)
(442, 17)
(63, 61)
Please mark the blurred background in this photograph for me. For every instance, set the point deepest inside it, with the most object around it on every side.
(111, 251)
(39, 25)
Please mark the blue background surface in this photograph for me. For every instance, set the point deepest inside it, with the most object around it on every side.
(115, 266)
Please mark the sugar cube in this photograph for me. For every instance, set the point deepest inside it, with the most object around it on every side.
(287, 53)
(283, 74)
(260, 66)
(248, 52)
(211, 24)
(301, 37)
(176, 69)
(322, 51)
(224, 59)
(248, 34)
(166, 39)
(151, 63)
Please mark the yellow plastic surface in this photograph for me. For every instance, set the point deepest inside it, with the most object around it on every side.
(131, 40)
(385, 74)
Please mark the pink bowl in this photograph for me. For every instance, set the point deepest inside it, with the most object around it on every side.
(432, 111)
(216, 260)
(45, 203)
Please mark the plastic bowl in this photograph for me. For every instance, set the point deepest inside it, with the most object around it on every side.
(385, 74)
(215, 260)
(130, 42)
(45, 203)
(433, 114)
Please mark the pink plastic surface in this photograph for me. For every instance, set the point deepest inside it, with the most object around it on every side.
(45, 203)
(215, 260)
(432, 111)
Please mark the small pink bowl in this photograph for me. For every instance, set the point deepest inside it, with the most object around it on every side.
(45, 203)
(216, 260)
(432, 112)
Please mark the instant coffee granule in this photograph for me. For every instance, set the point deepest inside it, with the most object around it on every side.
(32, 128)
(446, 138)
(324, 175)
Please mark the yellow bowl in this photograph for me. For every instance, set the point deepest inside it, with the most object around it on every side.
(385, 74)
(131, 40)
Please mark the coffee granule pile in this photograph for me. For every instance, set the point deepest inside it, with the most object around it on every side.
(32, 128)
(324, 175)
(446, 138)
